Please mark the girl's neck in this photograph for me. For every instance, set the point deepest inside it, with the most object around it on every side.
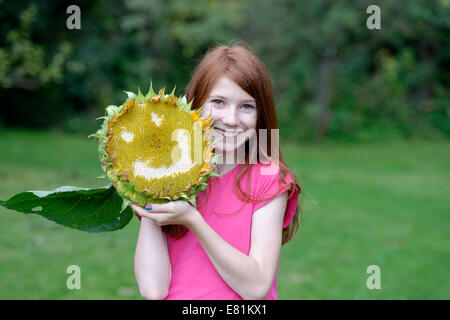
(223, 169)
(227, 161)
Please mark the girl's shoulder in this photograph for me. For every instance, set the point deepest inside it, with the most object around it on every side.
(266, 178)
(267, 182)
(268, 171)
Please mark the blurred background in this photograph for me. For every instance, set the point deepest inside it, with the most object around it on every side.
(364, 123)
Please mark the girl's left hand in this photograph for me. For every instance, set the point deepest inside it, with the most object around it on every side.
(174, 212)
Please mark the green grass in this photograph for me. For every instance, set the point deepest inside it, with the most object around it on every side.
(369, 204)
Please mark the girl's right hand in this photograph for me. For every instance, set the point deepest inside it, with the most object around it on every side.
(174, 212)
(136, 210)
(139, 211)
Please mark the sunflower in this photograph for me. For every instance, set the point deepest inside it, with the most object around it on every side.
(155, 149)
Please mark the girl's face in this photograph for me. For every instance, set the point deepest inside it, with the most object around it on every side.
(233, 113)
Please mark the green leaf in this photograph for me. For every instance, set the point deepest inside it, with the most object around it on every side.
(150, 92)
(185, 107)
(163, 96)
(112, 110)
(91, 210)
(213, 174)
(182, 101)
(131, 96)
(192, 200)
(173, 92)
(140, 97)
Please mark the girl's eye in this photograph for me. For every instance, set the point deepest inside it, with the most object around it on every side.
(217, 101)
(248, 106)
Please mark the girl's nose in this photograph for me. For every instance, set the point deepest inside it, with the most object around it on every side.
(230, 118)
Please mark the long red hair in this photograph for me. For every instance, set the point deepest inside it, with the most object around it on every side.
(239, 64)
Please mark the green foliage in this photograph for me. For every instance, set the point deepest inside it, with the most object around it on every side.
(389, 79)
(24, 63)
(334, 77)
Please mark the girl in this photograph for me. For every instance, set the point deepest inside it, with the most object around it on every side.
(227, 248)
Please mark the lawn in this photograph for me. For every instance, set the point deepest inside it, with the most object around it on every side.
(384, 204)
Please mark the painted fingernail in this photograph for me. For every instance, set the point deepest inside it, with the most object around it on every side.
(148, 207)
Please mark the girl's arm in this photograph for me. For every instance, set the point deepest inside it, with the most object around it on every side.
(250, 276)
(151, 261)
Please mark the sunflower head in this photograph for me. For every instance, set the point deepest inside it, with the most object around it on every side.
(155, 149)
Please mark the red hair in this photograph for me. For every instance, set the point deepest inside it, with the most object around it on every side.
(240, 65)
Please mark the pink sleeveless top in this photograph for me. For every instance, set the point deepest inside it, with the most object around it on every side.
(194, 277)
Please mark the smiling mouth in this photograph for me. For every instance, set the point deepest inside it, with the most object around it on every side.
(228, 133)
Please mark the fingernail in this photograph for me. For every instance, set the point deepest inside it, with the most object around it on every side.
(148, 207)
